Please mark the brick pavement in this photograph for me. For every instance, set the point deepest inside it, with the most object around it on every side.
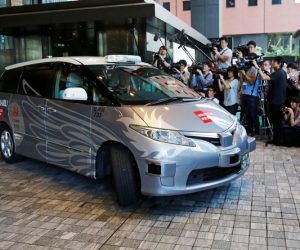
(45, 207)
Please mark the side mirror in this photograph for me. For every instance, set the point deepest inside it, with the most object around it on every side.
(76, 94)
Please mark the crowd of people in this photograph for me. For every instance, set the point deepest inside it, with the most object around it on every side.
(254, 86)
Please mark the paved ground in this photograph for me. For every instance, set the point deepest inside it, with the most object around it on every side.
(45, 207)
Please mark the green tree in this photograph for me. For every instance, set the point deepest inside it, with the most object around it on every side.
(278, 50)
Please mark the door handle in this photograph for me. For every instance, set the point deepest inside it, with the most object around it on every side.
(41, 108)
(51, 110)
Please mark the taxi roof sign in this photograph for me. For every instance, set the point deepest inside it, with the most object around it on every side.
(123, 59)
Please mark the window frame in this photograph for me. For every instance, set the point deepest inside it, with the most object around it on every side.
(276, 2)
(165, 4)
(230, 3)
(251, 3)
(185, 2)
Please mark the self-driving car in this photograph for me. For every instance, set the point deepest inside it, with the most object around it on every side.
(118, 116)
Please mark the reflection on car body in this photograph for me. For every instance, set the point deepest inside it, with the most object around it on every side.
(116, 115)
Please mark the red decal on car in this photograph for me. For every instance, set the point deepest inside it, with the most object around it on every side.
(15, 110)
(132, 90)
(204, 115)
(2, 109)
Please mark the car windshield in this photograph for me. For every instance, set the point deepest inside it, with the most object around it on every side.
(141, 84)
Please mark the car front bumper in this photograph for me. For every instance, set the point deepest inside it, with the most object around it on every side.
(199, 171)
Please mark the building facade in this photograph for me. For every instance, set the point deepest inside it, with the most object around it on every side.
(180, 8)
(271, 23)
(87, 28)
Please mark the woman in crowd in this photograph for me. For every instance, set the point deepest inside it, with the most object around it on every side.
(291, 127)
(293, 82)
(230, 88)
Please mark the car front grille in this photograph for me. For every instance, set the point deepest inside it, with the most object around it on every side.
(210, 174)
(214, 141)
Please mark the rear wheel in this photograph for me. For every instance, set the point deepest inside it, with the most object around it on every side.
(125, 176)
(7, 146)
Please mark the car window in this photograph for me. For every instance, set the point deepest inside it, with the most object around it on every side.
(67, 76)
(36, 80)
(72, 76)
(141, 84)
(9, 80)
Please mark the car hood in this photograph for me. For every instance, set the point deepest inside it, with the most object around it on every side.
(201, 116)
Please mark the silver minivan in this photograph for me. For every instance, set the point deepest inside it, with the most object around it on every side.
(115, 115)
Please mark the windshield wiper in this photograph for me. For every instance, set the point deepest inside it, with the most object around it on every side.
(173, 99)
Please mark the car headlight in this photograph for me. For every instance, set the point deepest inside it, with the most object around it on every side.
(163, 135)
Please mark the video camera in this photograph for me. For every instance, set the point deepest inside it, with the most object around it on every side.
(241, 48)
(246, 62)
(175, 65)
(214, 43)
(156, 56)
(171, 70)
(218, 72)
(193, 69)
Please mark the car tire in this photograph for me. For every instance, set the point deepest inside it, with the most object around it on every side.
(124, 175)
(7, 145)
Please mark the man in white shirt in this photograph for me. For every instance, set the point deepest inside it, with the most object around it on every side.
(223, 57)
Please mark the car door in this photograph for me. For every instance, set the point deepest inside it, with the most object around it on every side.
(68, 121)
(28, 110)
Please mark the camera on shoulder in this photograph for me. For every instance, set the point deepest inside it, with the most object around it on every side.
(245, 63)
(214, 44)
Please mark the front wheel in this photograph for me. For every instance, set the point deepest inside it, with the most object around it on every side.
(125, 176)
(7, 146)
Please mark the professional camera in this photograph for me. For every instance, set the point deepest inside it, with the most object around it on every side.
(285, 110)
(215, 43)
(156, 56)
(193, 69)
(240, 48)
(246, 62)
(219, 72)
(175, 65)
(172, 68)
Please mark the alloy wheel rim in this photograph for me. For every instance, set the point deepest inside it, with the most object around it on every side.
(6, 144)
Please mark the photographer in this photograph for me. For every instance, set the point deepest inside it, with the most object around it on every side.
(291, 129)
(161, 60)
(276, 95)
(230, 88)
(202, 78)
(266, 67)
(182, 74)
(293, 77)
(249, 87)
(223, 57)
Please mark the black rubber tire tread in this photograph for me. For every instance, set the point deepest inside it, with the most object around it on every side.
(124, 176)
(14, 158)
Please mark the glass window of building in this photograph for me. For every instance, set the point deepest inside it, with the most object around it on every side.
(252, 2)
(2, 3)
(276, 1)
(186, 5)
(166, 5)
(230, 3)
